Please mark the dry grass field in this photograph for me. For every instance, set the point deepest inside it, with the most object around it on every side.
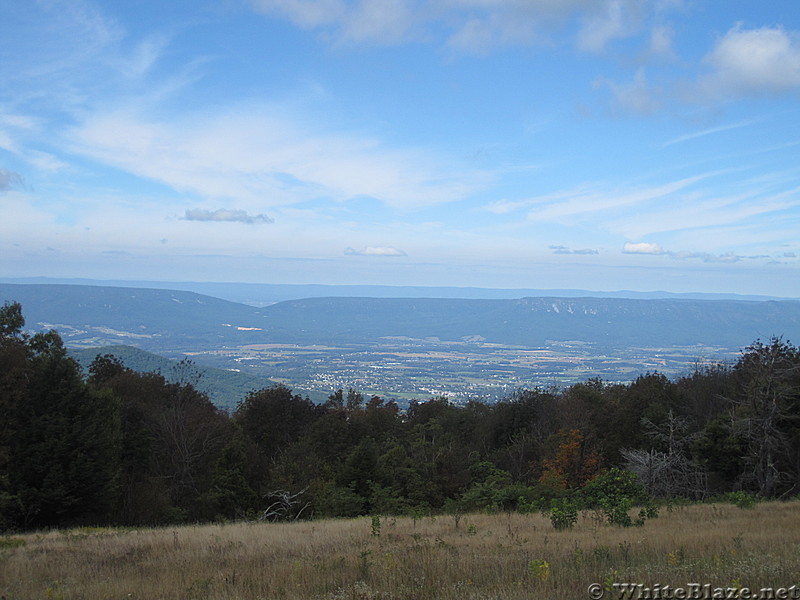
(477, 556)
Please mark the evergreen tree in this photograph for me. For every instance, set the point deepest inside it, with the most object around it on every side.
(14, 375)
(66, 442)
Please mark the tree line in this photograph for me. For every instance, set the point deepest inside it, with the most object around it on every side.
(119, 447)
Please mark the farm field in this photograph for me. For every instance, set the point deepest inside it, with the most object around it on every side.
(508, 556)
(414, 368)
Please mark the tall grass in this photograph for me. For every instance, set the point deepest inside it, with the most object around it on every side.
(510, 556)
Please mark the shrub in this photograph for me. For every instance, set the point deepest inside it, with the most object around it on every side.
(615, 492)
(563, 513)
(741, 499)
(616, 511)
(539, 570)
(613, 485)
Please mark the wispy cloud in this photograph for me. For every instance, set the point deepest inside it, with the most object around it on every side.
(144, 56)
(708, 257)
(80, 39)
(568, 250)
(257, 153)
(592, 200)
(226, 215)
(707, 210)
(374, 251)
(653, 249)
(709, 131)
(502, 207)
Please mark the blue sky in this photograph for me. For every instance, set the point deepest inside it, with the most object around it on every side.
(593, 144)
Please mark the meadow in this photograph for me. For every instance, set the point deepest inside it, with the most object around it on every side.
(463, 557)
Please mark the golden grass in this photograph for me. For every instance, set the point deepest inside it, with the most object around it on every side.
(481, 556)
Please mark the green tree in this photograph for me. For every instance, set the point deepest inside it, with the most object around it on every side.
(230, 495)
(767, 407)
(172, 436)
(275, 418)
(14, 375)
(359, 468)
(66, 442)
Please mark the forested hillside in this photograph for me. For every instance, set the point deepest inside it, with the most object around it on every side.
(121, 447)
(223, 387)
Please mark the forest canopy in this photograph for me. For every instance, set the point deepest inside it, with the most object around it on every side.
(119, 447)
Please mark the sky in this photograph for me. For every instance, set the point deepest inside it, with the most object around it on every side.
(591, 144)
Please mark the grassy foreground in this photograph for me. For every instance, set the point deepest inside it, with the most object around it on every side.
(477, 556)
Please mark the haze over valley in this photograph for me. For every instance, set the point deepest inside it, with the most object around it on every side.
(406, 348)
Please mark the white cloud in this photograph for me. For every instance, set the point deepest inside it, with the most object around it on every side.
(306, 13)
(754, 62)
(387, 21)
(224, 214)
(614, 19)
(471, 26)
(636, 97)
(376, 21)
(478, 27)
(642, 248)
(661, 42)
(261, 156)
(374, 251)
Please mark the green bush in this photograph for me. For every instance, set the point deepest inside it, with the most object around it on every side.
(613, 485)
(614, 493)
(744, 500)
(563, 513)
(616, 511)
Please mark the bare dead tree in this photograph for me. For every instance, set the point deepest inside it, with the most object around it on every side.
(765, 412)
(667, 473)
(284, 506)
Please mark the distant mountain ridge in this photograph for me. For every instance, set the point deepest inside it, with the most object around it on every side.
(264, 294)
(536, 321)
(173, 321)
(159, 320)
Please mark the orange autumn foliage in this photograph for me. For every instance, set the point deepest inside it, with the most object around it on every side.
(574, 463)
